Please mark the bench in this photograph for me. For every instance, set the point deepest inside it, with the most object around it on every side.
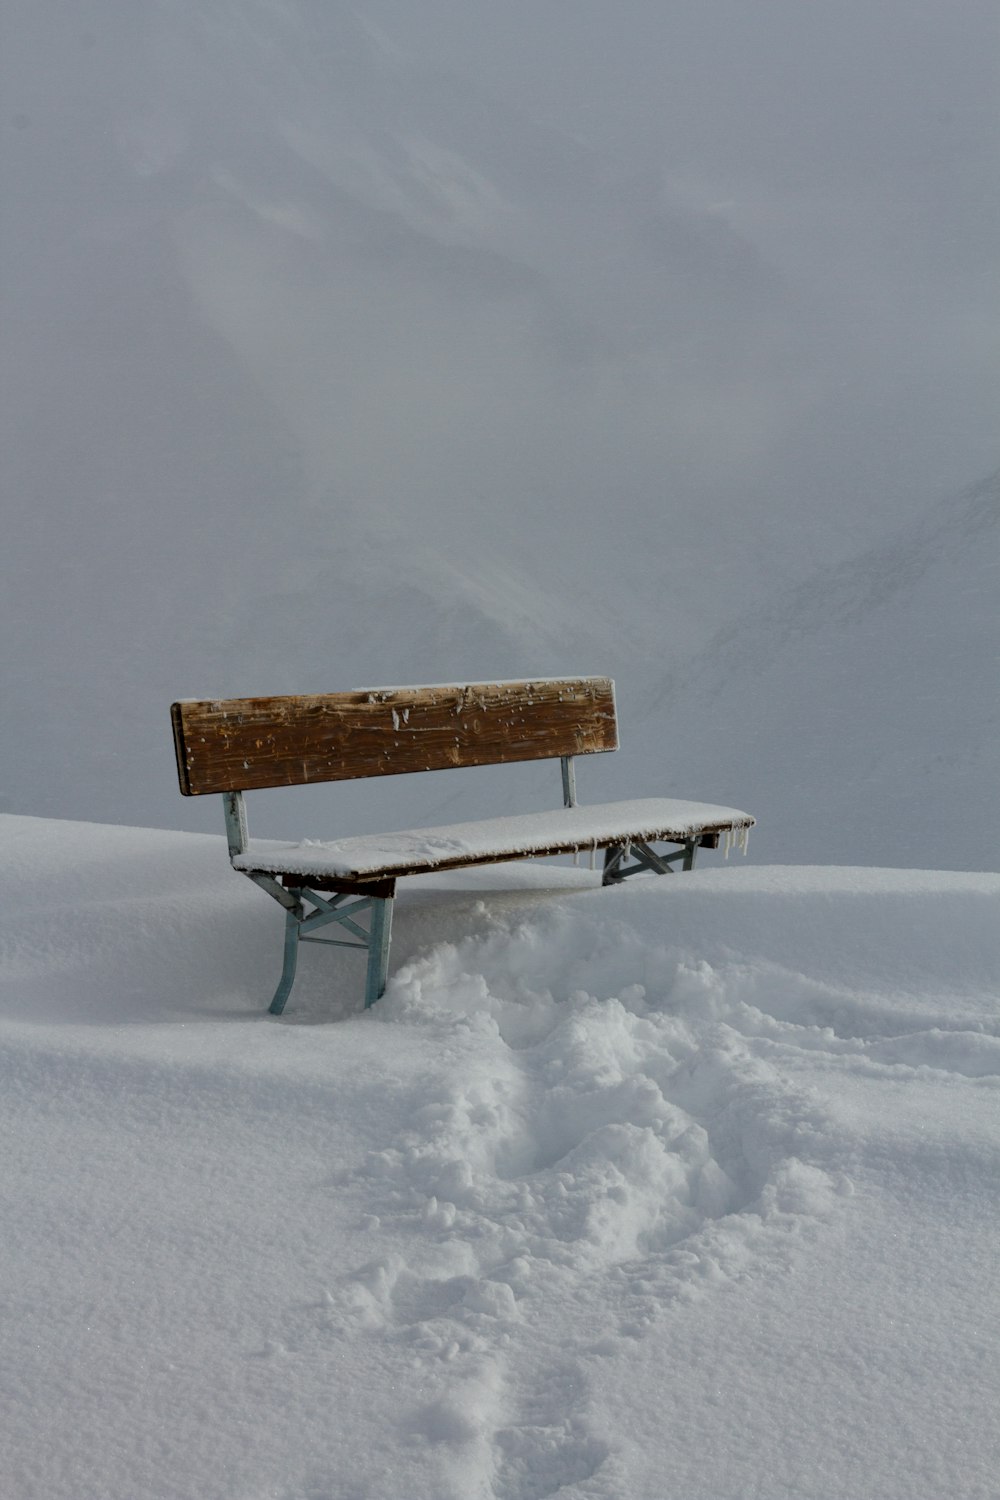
(236, 745)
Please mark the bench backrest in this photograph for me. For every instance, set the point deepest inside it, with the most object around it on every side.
(239, 744)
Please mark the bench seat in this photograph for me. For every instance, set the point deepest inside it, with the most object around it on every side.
(416, 851)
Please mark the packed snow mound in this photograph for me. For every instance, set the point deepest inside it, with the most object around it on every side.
(695, 1177)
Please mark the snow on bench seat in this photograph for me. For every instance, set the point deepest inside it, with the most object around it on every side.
(565, 830)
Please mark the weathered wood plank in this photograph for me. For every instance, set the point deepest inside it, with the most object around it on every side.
(378, 886)
(239, 744)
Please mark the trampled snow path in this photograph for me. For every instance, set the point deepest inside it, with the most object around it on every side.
(685, 1190)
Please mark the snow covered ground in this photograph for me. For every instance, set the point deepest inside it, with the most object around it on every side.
(682, 1191)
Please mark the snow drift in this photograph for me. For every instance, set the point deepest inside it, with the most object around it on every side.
(682, 1189)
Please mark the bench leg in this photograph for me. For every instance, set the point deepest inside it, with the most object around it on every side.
(614, 857)
(292, 920)
(378, 949)
(298, 928)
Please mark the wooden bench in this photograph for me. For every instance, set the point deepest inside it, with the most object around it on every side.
(239, 744)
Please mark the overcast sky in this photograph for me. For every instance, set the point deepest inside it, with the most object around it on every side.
(855, 143)
(551, 326)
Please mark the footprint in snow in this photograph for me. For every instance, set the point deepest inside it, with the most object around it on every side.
(549, 1447)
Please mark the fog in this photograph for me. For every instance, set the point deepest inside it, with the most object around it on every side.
(348, 345)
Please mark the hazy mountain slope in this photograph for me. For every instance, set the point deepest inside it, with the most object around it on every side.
(858, 716)
(320, 369)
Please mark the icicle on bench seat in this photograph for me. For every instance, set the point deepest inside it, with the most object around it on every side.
(240, 744)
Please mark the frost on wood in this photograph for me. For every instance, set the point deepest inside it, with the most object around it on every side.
(243, 743)
(564, 830)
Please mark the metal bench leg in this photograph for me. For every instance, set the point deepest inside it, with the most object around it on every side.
(292, 920)
(378, 949)
(644, 859)
(615, 856)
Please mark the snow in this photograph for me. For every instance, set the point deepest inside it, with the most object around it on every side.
(683, 1188)
(561, 828)
(346, 347)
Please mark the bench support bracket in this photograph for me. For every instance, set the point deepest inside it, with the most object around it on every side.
(328, 908)
(301, 924)
(375, 897)
(617, 868)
